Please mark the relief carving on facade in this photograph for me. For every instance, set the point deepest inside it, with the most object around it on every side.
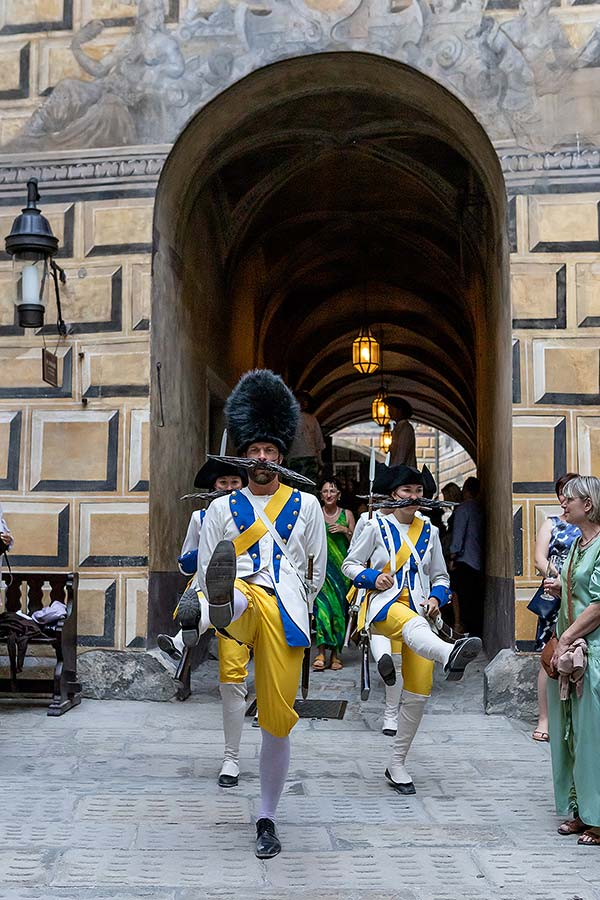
(522, 77)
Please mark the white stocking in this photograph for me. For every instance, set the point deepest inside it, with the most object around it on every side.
(379, 645)
(273, 767)
(417, 635)
(240, 604)
(233, 696)
(411, 712)
(178, 641)
(393, 693)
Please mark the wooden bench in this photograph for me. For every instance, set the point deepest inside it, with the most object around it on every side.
(64, 687)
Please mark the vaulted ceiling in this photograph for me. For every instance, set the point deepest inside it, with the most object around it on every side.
(350, 210)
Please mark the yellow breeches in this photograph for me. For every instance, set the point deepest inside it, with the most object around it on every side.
(277, 666)
(233, 660)
(417, 672)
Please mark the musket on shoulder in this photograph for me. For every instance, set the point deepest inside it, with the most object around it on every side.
(207, 496)
(243, 462)
(310, 570)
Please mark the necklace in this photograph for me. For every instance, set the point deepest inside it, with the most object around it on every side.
(333, 515)
(585, 544)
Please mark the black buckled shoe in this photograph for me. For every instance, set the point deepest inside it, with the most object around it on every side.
(407, 788)
(166, 643)
(188, 617)
(228, 781)
(220, 578)
(387, 669)
(267, 842)
(463, 652)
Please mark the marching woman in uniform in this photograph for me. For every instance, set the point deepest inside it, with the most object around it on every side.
(397, 558)
(257, 549)
(233, 657)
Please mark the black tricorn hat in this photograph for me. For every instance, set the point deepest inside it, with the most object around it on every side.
(261, 407)
(382, 475)
(429, 485)
(213, 469)
(399, 475)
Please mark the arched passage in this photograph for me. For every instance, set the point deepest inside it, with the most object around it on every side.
(316, 194)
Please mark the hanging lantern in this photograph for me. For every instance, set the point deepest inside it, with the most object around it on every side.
(32, 246)
(385, 438)
(365, 352)
(380, 410)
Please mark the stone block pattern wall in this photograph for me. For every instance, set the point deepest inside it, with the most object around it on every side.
(555, 275)
(74, 459)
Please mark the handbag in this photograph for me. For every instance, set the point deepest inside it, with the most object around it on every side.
(550, 647)
(542, 606)
(546, 657)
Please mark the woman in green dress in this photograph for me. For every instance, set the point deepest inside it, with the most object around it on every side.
(575, 722)
(330, 603)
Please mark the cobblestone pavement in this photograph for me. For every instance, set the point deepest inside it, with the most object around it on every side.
(119, 800)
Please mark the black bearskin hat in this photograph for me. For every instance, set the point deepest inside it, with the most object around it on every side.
(261, 408)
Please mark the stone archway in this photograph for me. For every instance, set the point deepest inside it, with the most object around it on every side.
(313, 193)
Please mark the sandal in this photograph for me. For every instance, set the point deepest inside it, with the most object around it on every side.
(319, 663)
(590, 838)
(542, 736)
(572, 826)
(336, 664)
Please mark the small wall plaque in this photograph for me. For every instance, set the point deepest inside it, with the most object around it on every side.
(50, 367)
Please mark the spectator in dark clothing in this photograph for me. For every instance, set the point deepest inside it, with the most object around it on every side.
(466, 558)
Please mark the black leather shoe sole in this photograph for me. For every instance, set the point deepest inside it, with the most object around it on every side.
(268, 844)
(188, 616)
(228, 780)
(220, 577)
(386, 669)
(464, 652)
(389, 733)
(165, 643)
(406, 789)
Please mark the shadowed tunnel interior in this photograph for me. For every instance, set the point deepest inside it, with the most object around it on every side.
(346, 220)
(317, 195)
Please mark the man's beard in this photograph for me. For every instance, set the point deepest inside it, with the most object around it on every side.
(261, 476)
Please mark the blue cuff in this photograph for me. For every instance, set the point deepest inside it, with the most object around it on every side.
(441, 593)
(188, 563)
(367, 578)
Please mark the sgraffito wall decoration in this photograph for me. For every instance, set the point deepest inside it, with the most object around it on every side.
(92, 95)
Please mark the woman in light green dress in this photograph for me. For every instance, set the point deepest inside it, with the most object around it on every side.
(575, 722)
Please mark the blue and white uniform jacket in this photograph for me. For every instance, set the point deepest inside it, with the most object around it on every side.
(370, 552)
(188, 559)
(301, 526)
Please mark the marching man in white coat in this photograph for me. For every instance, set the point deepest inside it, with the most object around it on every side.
(253, 560)
(397, 559)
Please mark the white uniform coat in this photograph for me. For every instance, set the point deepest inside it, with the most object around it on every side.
(307, 536)
(192, 538)
(367, 556)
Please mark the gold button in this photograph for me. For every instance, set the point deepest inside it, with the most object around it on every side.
(285, 540)
(296, 499)
(254, 556)
(235, 514)
(278, 556)
(242, 527)
(289, 527)
(234, 501)
(295, 512)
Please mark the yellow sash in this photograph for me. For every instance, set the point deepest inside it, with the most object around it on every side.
(258, 529)
(404, 551)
